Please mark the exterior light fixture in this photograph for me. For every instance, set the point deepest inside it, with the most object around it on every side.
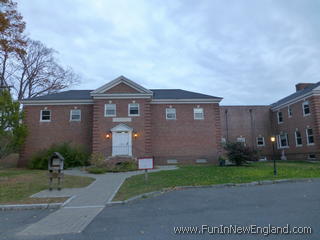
(108, 136)
(273, 140)
(135, 135)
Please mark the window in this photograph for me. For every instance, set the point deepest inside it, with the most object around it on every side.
(110, 110)
(171, 113)
(306, 108)
(289, 112)
(260, 141)
(298, 138)
(75, 115)
(241, 139)
(310, 138)
(280, 117)
(45, 115)
(312, 156)
(134, 109)
(198, 114)
(283, 140)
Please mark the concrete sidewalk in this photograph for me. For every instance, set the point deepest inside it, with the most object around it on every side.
(85, 205)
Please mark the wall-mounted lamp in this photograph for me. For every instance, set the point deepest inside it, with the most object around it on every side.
(108, 136)
(135, 135)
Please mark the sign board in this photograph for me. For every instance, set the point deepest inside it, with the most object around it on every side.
(145, 163)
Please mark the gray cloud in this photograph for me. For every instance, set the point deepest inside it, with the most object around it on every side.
(247, 51)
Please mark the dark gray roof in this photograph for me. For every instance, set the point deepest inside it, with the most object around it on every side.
(157, 94)
(66, 95)
(179, 94)
(295, 95)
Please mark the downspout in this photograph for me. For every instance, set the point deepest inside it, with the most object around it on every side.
(252, 129)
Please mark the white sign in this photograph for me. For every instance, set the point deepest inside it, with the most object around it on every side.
(145, 163)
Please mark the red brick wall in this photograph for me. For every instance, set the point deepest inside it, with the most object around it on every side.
(185, 139)
(43, 134)
(239, 121)
(140, 124)
(300, 122)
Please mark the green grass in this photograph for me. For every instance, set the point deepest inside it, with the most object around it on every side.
(16, 185)
(212, 174)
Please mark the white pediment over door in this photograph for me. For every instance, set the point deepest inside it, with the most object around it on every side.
(121, 127)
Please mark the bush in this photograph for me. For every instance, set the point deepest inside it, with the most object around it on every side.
(100, 166)
(74, 156)
(97, 170)
(97, 160)
(238, 153)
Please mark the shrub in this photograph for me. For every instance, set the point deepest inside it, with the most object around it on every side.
(238, 153)
(125, 166)
(97, 160)
(97, 170)
(74, 156)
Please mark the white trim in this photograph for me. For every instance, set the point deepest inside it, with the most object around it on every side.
(260, 145)
(55, 102)
(185, 101)
(75, 120)
(314, 92)
(279, 141)
(134, 115)
(41, 115)
(281, 117)
(117, 81)
(303, 104)
(122, 128)
(121, 96)
(194, 114)
(289, 111)
(115, 110)
(175, 114)
(295, 135)
(308, 143)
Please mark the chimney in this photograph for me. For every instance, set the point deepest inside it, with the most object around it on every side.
(301, 86)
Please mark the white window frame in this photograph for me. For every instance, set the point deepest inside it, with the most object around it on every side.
(175, 113)
(41, 115)
(194, 114)
(296, 138)
(279, 141)
(307, 134)
(241, 139)
(303, 109)
(289, 112)
(105, 110)
(133, 115)
(278, 118)
(260, 145)
(71, 114)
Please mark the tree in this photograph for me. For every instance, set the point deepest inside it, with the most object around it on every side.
(238, 153)
(12, 131)
(12, 40)
(36, 72)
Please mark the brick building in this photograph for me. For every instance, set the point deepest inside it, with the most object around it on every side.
(123, 118)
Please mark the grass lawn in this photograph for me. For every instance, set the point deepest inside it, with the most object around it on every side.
(16, 185)
(212, 174)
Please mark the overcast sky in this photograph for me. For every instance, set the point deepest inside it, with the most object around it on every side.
(246, 51)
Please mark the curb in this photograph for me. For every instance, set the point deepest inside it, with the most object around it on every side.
(217, 186)
(5, 207)
(30, 206)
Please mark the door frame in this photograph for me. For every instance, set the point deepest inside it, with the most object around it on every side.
(122, 128)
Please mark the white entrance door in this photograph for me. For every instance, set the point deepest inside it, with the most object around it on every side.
(121, 143)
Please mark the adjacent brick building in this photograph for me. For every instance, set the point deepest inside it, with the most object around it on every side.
(123, 118)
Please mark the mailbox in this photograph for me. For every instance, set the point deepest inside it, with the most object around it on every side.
(55, 167)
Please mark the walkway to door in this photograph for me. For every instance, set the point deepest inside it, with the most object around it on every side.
(85, 205)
